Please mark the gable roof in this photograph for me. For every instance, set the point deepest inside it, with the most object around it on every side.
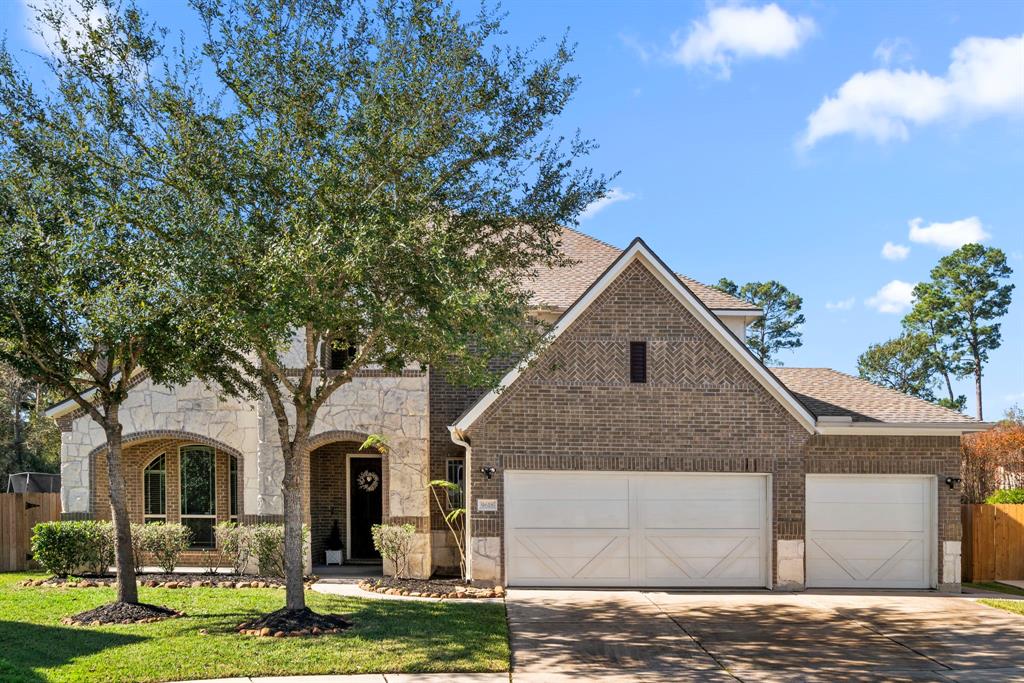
(639, 251)
(558, 288)
(830, 393)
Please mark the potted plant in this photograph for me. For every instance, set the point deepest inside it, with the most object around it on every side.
(333, 546)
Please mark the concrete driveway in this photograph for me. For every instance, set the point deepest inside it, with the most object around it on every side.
(562, 635)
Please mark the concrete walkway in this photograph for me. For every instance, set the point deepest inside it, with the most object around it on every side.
(761, 636)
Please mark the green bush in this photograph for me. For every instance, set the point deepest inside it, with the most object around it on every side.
(138, 548)
(61, 547)
(394, 543)
(1006, 496)
(100, 544)
(234, 542)
(267, 544)
(166, 542)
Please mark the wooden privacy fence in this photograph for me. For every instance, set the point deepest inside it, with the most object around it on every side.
(19, 512)
(993, 542)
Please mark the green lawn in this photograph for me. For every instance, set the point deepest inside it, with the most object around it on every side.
(994, 587)
(387, 636)
(1016, 606)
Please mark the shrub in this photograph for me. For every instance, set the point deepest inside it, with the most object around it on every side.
(138, 545)
(1006, 496)
(394, 543)
(61, 547)
(992, 460)
(267, 544)
(99, 549)
(166, 542)
(235, 544)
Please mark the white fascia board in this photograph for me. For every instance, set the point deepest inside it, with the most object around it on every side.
(639, 251)
(737, 313)
(902, 428)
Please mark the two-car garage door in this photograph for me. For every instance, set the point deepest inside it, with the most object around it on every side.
(707, 530)
(636, 529)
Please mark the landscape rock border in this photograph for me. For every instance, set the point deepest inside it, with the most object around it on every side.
(183, 582)
(457, 592)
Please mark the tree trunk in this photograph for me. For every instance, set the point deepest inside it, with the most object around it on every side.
(127, 588)
(977, 386)
(949, 384)
(294, 553)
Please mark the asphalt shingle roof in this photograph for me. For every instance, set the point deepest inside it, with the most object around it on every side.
(828, 392)
(560, 287)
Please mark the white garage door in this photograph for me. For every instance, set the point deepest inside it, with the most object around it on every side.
(870, 531)
(635, 529)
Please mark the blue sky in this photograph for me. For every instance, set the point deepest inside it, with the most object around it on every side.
(793, 141)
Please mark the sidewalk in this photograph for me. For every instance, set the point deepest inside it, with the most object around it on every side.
(368, 678)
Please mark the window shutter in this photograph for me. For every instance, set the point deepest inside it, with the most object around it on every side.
(638, 362)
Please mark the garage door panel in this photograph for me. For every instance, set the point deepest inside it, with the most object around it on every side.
(587, 486)
(572, 514)
(569, 557)
(865, 517)
(702, 514)
(680, 529)
(858, 536)
(880, 490)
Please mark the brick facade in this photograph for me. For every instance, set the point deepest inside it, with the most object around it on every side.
(574, 408)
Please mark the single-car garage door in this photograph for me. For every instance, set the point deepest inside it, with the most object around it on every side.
(870, 531)
(635, 529)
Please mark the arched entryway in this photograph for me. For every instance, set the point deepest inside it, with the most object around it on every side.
(175, 477)
(347, 487)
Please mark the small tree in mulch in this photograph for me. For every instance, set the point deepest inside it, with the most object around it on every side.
(454, 517)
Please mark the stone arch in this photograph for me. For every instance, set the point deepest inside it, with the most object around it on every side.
(324, 438)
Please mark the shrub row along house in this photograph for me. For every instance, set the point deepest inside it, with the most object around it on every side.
(643, 446)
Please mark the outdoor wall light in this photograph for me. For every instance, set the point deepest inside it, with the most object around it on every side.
(952, 482)
(487, 471)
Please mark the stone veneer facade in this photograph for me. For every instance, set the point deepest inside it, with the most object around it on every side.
(157, 417)
(700, 410)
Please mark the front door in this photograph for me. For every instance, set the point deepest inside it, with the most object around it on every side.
(366, 506)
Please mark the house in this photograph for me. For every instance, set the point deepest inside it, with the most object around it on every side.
(643, 446)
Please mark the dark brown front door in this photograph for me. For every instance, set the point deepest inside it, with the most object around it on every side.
(366, 508)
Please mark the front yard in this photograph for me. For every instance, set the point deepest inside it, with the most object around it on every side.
(387, 636)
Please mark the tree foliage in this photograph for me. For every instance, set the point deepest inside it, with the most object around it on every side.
(992, 460)
(961, 304)
(29, 442)
(905, 364)
(778, 327)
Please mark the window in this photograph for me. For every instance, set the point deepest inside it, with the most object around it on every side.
(340, 356)
(154, 490)
(638, 362)
(198, 499)
(457, 475)
(233, 488)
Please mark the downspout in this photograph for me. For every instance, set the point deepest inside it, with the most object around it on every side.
(459, 439)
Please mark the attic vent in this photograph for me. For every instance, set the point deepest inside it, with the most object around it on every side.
(638, 362)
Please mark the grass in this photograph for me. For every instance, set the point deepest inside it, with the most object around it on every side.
(388, 636)
(1016, 606)
(994, 587)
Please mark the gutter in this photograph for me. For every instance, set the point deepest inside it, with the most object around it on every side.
(829, 425)
(459, 438)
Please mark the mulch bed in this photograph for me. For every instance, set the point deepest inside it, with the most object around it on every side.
(121, 613)
(168, 581)
(294, 622)
(447, 589)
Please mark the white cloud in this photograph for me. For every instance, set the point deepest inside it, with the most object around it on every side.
(948, 235)
(42, 35)
(730, 33)
(643, 51)
(614, 196)
(841, 305)
(895, 252)
(893, 50)
(894, 297)
(984, 79)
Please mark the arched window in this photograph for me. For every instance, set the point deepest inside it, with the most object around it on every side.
(154, 488)
(198, 496)
(233, 488)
